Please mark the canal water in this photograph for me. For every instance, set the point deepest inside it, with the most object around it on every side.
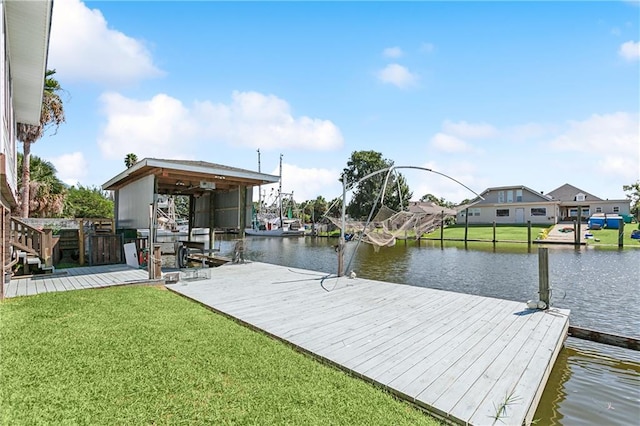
(590, 383)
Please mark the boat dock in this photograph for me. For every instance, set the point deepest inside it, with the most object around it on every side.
(463, 358)
(78, 279)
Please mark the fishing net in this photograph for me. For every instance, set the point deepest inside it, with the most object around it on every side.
(388, 226)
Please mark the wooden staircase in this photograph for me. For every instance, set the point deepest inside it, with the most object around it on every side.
(32, 247)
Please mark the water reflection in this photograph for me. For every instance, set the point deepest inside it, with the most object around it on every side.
(588, 386)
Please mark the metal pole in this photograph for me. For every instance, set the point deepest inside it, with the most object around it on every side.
(341, 242)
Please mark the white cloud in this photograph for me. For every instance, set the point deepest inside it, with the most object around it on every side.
(630, 50)
(448, 143)
(72, 168)
(164, 127)
(305, 184)
(392, 52)
(611, 138)
(398, 76)
(83, 47)
(462, 129)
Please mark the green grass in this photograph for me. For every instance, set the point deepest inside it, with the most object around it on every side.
(606, 237)
(609, 237)
(141, 355)
(485, 232)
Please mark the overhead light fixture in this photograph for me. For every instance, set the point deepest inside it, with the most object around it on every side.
(179, 183)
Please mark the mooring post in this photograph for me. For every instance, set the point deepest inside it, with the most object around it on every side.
(466, 224)
(529, 232)
(442, 227)
(494, 231)
(578, 230)
(543, 275)
(621, 233)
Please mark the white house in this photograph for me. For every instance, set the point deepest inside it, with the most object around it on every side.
(510, 205)
(24, 28)
(519, 205)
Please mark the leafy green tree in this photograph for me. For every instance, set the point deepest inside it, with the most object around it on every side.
(334, 207)
(46, 191)
(51, 113)
(438, 201)
(182, 206)
(130, 159)
(84, 202)
(367, 192)
(633, 194)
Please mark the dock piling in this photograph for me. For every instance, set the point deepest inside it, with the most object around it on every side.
(543, 274)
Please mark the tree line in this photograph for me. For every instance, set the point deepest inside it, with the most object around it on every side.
(42, 194)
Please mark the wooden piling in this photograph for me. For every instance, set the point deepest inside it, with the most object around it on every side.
(543, 275)
(621, 233)
(529, 232)
(442, 227)
(494, 231)
(466, 224)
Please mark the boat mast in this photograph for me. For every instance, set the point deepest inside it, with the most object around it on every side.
(280, 194)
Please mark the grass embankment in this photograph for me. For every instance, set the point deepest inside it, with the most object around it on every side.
(605, 237)
(139, 355)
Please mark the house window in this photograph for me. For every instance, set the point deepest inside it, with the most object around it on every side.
(586, 213)
(501, 196)
(518, 195)
(474, 212)
(538, 211)
(598, 209)
(502, 212)
(616, 209)
(580, 197)
(510, 196)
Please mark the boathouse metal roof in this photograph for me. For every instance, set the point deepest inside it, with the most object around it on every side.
(185, 177)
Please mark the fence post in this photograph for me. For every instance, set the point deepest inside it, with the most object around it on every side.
(543, 275)
(81, 242)
(47, 246)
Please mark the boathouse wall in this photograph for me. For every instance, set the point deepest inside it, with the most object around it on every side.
(132, 203)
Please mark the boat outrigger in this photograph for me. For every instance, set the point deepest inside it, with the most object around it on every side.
(269, 222)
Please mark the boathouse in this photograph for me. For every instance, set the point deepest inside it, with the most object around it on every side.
(219, 196)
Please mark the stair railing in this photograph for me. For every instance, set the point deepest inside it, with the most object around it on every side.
(32, 240)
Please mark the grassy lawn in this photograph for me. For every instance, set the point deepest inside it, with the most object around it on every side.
(606, 237)
(142, 355)
(485, 232)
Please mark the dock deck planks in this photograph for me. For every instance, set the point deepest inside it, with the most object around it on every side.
(458, 356)
(75, 279)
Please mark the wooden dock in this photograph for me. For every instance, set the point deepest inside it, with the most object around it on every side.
(466, 359)
(77, 279)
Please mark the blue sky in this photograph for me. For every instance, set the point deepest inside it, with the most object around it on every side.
(491, 93)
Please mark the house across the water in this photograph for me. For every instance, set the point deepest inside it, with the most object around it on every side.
(520, 204)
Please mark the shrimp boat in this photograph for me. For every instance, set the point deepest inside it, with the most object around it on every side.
(269, 222)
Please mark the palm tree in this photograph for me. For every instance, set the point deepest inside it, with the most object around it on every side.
(51, 113)
(130, 159)
(46, 190)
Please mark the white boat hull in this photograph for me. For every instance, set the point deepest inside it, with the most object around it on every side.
(274, 232)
